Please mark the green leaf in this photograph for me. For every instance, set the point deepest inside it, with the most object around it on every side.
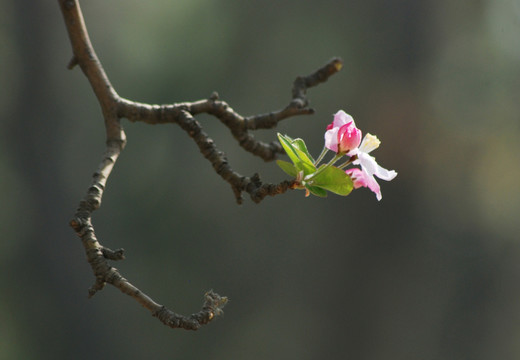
(297, 152)
(308, 168)
(334, 180)
(316, 191)
(289, 149)
(287, 167)
(306, 163)
(300, 145)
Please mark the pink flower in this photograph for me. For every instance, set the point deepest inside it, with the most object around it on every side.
(362, 179)
(359, 179)
(342, 135)
(369, 167)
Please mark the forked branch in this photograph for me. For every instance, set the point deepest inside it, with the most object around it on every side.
(114, 108)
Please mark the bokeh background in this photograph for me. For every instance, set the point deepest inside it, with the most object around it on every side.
(430, 272)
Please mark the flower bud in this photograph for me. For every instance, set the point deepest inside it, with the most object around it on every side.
(349, 137)
(342, 135)
(358, 177)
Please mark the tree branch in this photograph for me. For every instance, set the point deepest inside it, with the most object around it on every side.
(114, 108)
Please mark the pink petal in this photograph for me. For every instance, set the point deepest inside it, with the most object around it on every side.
(374, 186)
(358, 178)
(349, 137)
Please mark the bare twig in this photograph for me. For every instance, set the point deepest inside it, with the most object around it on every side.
(115, 107)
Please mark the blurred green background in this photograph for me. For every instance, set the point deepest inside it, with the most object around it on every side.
(430, 272)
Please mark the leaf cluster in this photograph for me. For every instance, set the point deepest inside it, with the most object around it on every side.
(317, 180)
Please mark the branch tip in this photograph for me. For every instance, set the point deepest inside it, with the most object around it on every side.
(211, 308)
(118, 254)
(98, 286)
(337, 62)
(73, 62)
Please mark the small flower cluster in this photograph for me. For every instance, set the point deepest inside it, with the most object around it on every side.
(345, 140)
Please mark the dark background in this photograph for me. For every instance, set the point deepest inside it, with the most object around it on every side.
(430, 272)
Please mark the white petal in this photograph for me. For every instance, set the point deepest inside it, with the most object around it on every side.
(385, 174)
(341, 118)
(331, 139)
(369, 164)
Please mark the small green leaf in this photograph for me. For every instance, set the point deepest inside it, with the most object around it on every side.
(334, 180)
(316, 191)
(308, 168)
(301, 158)
(287, 146)
(307, 164)
(287, 167)
(300, 145)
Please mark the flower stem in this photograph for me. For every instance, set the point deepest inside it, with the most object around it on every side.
(349, 161)
(323, 167)
(345, 164)
(323, 152)
(334, 159)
